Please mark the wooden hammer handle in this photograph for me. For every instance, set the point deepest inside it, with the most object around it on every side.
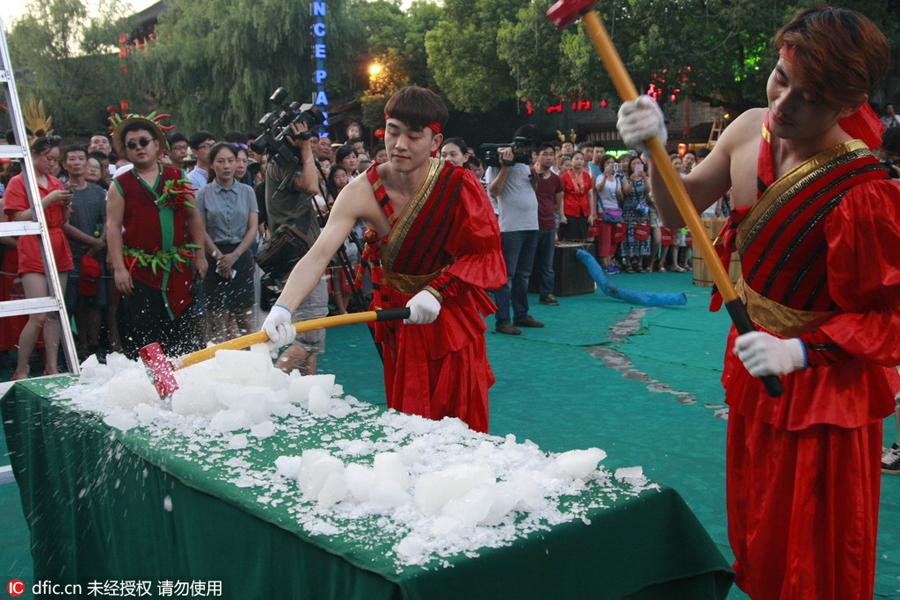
(628, 92)
(260, 337)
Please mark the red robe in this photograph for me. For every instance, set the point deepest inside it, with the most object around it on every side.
(819, 262)
(447, 239)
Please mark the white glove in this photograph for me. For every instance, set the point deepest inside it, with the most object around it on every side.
(765, 354)
(640, 120)
(423, 308)
(278, 327)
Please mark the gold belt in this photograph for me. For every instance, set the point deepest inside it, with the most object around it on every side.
(777, 318)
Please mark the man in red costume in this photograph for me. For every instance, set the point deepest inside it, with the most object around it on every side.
(151, 223)
(816, 228)
(433, 244)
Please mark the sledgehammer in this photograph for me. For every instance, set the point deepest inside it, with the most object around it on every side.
(564, 13)
(162, 370)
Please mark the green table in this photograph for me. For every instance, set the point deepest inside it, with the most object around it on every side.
(114, 509)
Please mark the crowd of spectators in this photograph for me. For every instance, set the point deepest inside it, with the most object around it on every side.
(568, 194)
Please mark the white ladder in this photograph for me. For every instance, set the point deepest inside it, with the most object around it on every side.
(55, 302)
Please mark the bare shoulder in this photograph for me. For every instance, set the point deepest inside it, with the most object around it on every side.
(357, 200)
(746, 128)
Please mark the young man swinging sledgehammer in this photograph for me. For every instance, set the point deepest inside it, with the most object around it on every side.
(433, 245)
(816, 226)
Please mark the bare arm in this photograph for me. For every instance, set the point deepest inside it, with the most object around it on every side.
(198, 231)
(709, 180)
(115, 215)
(356, 201)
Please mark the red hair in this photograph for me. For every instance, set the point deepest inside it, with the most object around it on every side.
(839, 54)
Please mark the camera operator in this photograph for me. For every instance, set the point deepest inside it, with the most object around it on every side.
(293, 204)
(511, 185)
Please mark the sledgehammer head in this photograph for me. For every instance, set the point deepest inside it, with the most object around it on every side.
(159, 369)
(565, 12)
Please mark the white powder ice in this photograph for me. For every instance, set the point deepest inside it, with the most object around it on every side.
(436, 488)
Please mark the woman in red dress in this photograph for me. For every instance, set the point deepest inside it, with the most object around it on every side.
(55, 200)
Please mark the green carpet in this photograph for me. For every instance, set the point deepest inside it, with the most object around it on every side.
(552, 390)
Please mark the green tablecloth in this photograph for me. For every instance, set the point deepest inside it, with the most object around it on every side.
(144, 505)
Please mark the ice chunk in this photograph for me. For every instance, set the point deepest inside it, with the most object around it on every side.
(361, 481)
(339, 408)
(316, 466)
(630, 473)
(120, 420)
(167, 503)
(434, 490)
(580, 463)
(288, 466)
(93, 373)
(319, 401)
(411, 549)
(388, 494)
(194, 398)
(254, 400)
(238, 441)
(470, 508)
(129, 388)
(389, 466)
(333, 490)
(230, 420)
(146, 414)
(299, 387)
(239, 361)
(263, 430)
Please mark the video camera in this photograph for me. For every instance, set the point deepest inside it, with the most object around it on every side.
(490, 153)
(277, 126)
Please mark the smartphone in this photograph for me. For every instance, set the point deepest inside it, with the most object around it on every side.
(639, 168)
(617, 168)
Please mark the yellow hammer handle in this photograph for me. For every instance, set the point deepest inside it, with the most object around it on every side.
(260, 337)
(625, 86)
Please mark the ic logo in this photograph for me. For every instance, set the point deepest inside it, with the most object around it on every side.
(15, 587)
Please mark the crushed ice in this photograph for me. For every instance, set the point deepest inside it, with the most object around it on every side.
(435, 488)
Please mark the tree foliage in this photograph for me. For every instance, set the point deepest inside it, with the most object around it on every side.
(216, 62)
(64, 56)
(462, 53)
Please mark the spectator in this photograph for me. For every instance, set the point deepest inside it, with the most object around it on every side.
(230, 219)
(337, 181)
(689, 160)
(596, 163)
(563, 163)
(455, 151)
(200, 143)
(86, 232)
(579, 204)
(381, 155)
(635, 211)
(609, 191)
(587, 148)
(348, 158)
(100, 143)
(178, 150)
(510, 184)
(890, 118)
(242, 165)
(294, 205)
(550, 192)
(358, 144)
(56, 201)
(146, 225)
(323, 147)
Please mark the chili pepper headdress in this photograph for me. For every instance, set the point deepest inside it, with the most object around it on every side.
(119, 123)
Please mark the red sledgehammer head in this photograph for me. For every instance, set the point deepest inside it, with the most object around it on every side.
(159, 369)
(565, 12)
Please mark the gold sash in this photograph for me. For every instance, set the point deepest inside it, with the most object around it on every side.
(774, 316)
(403, 283)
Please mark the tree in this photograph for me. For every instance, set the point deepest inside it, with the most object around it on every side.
(462, 53)
(215, 63)
(65, 57)
(716, 51)
(397, 45)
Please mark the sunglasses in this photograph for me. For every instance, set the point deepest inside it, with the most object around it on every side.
(131, 145)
